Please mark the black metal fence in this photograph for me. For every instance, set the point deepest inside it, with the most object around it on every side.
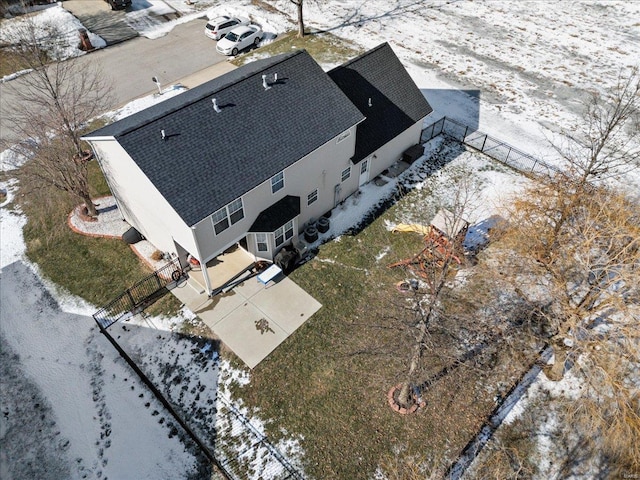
(490, 146)
(142, 294)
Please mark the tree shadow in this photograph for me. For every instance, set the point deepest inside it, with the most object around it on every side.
(357, 19)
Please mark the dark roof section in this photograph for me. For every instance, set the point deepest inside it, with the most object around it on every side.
(379, 85)
(208, 159)
(277, 215)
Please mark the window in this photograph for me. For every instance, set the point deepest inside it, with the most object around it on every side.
(229, 215)
(312, 197)
(277, 182)
(220, 221)
(284, 233)
(236, 212)
(346, 173)
(261, 242)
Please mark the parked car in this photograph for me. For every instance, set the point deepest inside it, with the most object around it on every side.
(117, 4)
(219, 27)
(238, 39)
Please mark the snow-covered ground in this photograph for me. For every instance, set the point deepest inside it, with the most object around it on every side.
(516, 70)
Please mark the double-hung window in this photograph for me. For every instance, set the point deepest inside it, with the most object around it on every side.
(277, 182)
(236, 212)
(226, 216)
(284, 233)
(346, 173)
(261, 242)
(220, 221)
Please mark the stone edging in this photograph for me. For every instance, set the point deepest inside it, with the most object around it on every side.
(103, 235)
(397, 408)
(81, 232)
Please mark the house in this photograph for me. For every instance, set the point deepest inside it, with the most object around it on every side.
(252, 156)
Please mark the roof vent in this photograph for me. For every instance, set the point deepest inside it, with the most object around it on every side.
(370, 104)
(275, 77)
(215, 105)
(163, 134)
(264, 82)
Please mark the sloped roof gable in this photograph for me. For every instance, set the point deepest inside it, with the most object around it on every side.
(379, 85)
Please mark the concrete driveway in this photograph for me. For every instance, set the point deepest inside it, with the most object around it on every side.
(251, 319)
(98, 18)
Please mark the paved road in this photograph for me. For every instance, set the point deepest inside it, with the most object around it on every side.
(131, 64)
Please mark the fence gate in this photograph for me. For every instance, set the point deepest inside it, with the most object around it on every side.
(138, 297)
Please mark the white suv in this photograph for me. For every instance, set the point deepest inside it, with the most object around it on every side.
(219, 27)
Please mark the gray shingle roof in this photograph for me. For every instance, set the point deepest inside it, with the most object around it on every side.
(208, 159)
(378, 84)
(277, 215)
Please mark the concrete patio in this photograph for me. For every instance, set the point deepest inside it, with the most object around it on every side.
(252, 319)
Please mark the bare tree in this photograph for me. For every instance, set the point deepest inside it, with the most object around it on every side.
(50, 106)
(435, 265)
(604, 144)
(575, 257)
(299, 7)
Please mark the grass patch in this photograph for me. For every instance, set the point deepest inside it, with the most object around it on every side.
(95, 269)
(327, 383)
(10, 62)
(325, 48)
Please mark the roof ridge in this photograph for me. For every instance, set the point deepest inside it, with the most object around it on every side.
(361, 56)
(200, 92)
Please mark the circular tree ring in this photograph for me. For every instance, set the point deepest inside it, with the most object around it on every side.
(391, 399)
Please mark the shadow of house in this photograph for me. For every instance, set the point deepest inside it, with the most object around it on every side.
(462, 105)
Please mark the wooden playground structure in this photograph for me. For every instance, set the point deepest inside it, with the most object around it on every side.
(443, 240)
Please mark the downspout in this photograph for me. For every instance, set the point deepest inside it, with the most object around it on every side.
(203, 265)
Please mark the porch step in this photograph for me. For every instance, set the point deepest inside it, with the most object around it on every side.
(199, 289)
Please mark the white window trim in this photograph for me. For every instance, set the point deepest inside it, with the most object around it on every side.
(287, 233)
(227, 216)
(265, 242)
(281, 174)
(230, 213)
